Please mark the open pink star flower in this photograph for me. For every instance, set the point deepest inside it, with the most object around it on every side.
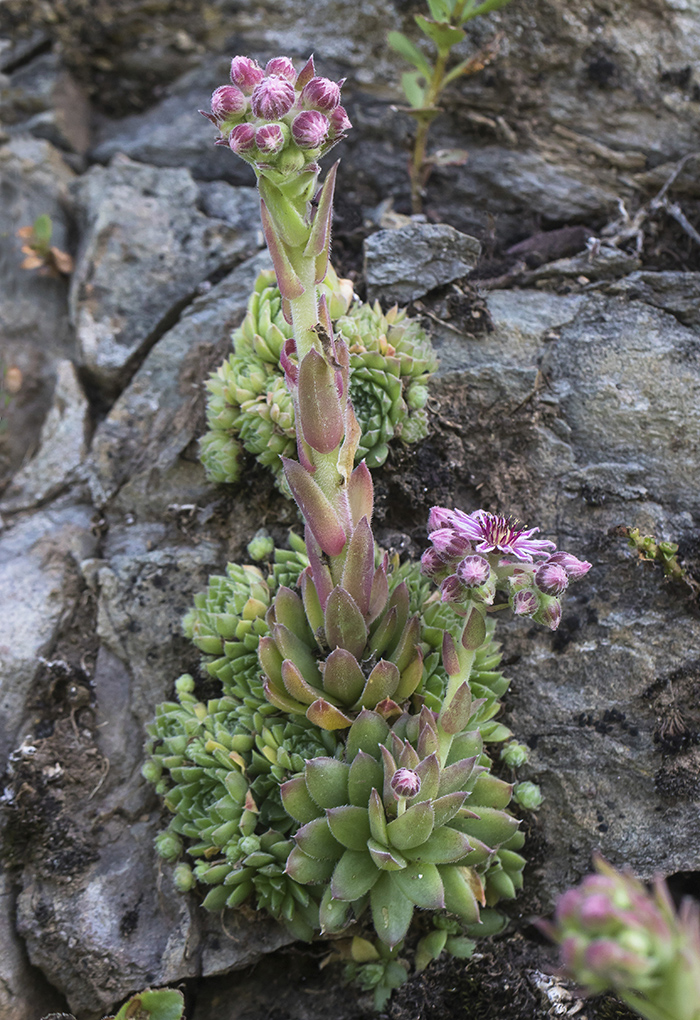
(495, 533)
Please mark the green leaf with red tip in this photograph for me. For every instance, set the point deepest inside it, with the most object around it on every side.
(327, 781)
(295, 684)
(283, 702)
(492, 827)
(405, 651)
(316, 508)
(450, 657)
(297, 801)
(289, 610)
(428, 771)
(365, 775)
(288, 282)
(408, 758)
(358, 569)
(317, 841)
(474, 633)
(413, 827)
(308, 870)
(379, 593)
(381, 684)
(320, 413)
(354, 875)
(353, 435)
(312, 604)
(391, 911)
(342, 677)
(428, 739)
(332, 914)
(318, 245)
(377, 818)
(445, 846)
(446, 807)
(345, 626)
(293, 647)
(389, 766)
(463, 892)
(385, 632)
(385, 857)
(411, 676)
(422, 884)
(490, 791)
(361, 493)
(366, 734)
(350, 826)
(400, 599)
(454, 718)
(320, 572)
(327, 716)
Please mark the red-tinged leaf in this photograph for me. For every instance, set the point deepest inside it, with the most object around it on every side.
(445, 846)
(385, 857)
(388, 709)
(354, 875)
(312, 603)
(391, 911)
(320, 236)
(428, 742)
(295, 648)
(327, 716)
(361, 493)
(316, 508)
(446, 807)
(381, 684)
(389, 765)
(288, 282)
(284, 703)
(289, 610)
(411, 676)
(474, 633)
(377, 819)
(297, 800)
(454, 718)
(317, 841)
(320, 413)
(408, 758)
(399, 598)
(366, 774)
(296, 686)
(358, 569)
(353, 435)
(332, 914)
(422, 884)
(368, 732)
(319, 571)
(344, 624)
(429, 773)
(384, 634)
(308, 870)
(327, 781)
(305, 75)
(413, 827)
(350, 825)
(380, 592)
(405, 651)
(490, 791)
(462, 893)
(271, 662)
(450, 658)
(342, 676)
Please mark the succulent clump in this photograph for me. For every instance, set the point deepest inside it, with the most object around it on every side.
(249, 406)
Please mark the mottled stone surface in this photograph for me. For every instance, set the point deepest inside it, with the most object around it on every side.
(402, 265)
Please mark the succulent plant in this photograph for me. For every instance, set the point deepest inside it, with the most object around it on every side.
(250, 407)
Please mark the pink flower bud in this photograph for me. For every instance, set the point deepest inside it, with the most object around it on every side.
(432, 563)
(596, 911)
(282, 67)
(473, 571)
(309, 129)
(551, 578)
(550, 614)
(227, 101)
(321, 94)
(269, 138)
(242, 138)
(440, 517)
(246, 73)
(405, 783)
(452, 589)
(272, 98)
(450, 544)
(574, 568)
(340, 123)
(525, 603)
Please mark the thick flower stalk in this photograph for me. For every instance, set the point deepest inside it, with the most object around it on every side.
(616, 936)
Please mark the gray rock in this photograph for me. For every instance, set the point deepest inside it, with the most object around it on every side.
(145, 250)
(38, 566)
(677, 293)
(603, 264)
(62, 445)
(24, 992)
(159, 413)
(43, 99)
(407, 263)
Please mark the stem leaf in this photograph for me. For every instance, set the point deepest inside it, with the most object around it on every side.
(444, 36)
(403, 45)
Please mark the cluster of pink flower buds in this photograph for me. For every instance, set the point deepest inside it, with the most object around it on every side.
(277, 117)
(473, 556)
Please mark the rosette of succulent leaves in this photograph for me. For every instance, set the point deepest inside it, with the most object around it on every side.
(249, 406)
(341, 780)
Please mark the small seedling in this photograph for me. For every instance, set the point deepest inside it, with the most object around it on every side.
(38, 251)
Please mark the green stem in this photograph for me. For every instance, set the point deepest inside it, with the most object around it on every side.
(466, 662)
(418, 166)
